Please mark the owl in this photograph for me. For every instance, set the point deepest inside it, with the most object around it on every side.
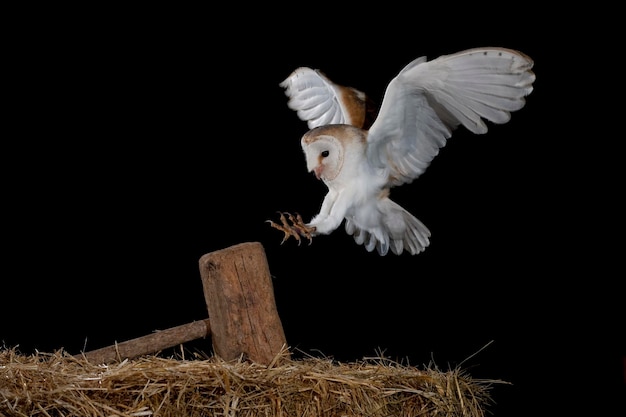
(361, 155)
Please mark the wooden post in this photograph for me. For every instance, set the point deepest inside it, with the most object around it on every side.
(240, 298)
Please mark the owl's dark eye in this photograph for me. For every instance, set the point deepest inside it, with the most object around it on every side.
(325, 154)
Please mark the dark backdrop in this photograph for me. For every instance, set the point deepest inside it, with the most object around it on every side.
(138, 142)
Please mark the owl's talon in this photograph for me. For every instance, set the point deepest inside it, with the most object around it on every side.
(285, 228)
(301, 227)
(293, 226)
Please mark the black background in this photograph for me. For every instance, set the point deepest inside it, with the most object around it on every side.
(137, 141)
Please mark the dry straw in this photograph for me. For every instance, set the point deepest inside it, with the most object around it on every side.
(59, 384)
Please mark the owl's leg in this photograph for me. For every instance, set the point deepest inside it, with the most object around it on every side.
(296, 228)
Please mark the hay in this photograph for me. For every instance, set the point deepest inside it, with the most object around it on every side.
(58, 384)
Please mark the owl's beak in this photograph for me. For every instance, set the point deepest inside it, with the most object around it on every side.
(318, 171)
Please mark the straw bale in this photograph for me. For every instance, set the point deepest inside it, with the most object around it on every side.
(59, 384)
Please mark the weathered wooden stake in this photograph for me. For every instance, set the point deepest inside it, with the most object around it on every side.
(242, 313)
(240, 298)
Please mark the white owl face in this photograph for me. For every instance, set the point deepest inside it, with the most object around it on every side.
(326, 149)
(324, 156)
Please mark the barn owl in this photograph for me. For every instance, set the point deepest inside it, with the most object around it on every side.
(421, 107)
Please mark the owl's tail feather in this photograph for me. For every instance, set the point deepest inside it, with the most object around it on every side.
(398, 230)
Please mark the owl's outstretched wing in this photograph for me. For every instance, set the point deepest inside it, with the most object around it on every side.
(319, 101)
(427, 100)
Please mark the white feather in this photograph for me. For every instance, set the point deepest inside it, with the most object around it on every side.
(427, 100)
(316, 99)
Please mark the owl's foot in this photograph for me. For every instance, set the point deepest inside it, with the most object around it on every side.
(294, 227)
